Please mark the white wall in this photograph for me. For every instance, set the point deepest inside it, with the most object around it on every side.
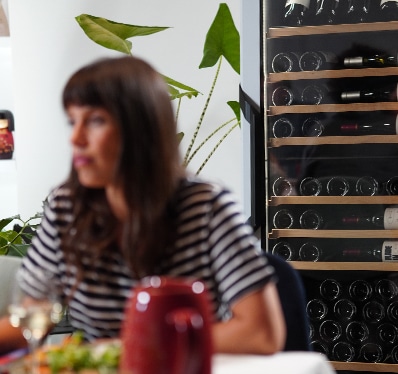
(48, 45)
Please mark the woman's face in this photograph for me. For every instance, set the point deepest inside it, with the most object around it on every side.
(96, 144)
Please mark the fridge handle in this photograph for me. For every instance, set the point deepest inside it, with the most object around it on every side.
(252, 113)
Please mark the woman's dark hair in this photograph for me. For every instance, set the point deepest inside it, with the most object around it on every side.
(149, 167)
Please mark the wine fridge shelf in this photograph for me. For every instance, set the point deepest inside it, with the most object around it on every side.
(361, 139)
(362, 366)
(332, 108)
(343, 200)
(328, 74)
(346, 234)
(347, 266)
(280, 32)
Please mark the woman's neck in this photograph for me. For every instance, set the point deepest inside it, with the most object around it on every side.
(117, 202)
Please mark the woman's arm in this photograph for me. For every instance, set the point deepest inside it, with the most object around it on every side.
(10, 337)
(257, 325)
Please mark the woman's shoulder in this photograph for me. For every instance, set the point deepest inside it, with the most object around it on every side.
(195, 186)
(197, 194)
(60, 195)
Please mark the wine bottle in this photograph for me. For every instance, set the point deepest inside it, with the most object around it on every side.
(374, 61)
(386, 289)
(284, 249)
(311, 220)
(320, 347)
(296, 12)
(391, 186)
(386, 252)
(367, 186)
(282, 187)
(312, 126)
(283, 96)
(325, 13)
(388, 93)
(387, 334)
(343, 351)
(337, 186)
(283, 128)
(310, 186)
(388, 10)
(344, 309)
(317, 60)
(385, 220)
(392, 312)
(373, 312)
(371, 352)
(358, 11)
(386, 126)
(316, 309)
(357, 332)
(330, 289)
(314, 94)
(285, 62)
(330, 330)
(310, 252)
(360, 290)
(283, 219)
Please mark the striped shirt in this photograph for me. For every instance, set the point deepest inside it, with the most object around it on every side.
(213, 245)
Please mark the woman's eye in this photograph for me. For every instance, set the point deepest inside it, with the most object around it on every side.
(96, 120)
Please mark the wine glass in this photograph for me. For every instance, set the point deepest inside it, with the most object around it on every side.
(34, 313)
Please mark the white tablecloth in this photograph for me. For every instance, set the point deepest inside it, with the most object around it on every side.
(280, 363)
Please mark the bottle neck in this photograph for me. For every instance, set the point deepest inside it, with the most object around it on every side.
(304, 3)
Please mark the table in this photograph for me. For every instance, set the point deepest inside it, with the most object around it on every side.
(280, 363)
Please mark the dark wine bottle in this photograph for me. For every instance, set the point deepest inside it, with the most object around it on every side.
(283, 95)
(296, 12)
(343, 351)
(358, 11)
(283, 128)
(391, 186)
(386, 126)
(374, 61)
(388, 93)
(315, 94)
(388, 10)
(385, 220)
(386, 252)
(284, 249)
(325, 13)
(285, 62)
(317, 60)
(312, 126)
(283, 219)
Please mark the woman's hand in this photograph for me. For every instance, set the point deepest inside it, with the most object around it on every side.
(257, 325)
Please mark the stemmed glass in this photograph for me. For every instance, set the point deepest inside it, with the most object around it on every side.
(34, 314)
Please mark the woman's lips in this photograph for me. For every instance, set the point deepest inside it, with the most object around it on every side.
(79, 161)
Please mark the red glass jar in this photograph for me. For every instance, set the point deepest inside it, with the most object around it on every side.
(6, 137)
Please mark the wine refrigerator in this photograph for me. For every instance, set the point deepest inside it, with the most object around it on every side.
(318, 94)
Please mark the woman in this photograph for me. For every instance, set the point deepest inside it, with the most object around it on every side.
(129, 209)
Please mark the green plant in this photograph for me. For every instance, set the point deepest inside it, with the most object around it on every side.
(15, 241)
(222, 41)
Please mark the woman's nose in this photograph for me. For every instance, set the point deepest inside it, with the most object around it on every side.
(78, 136)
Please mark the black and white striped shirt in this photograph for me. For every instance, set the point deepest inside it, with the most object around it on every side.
(214, 245)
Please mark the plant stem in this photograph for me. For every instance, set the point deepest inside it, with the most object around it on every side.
(178, 109)
(203, 112)
(216, 146)
(206, 140)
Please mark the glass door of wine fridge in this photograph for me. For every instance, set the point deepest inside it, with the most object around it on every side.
(331, 169)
